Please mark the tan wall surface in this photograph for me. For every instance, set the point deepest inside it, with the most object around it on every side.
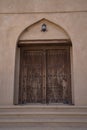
(11, 25)
(25, 6)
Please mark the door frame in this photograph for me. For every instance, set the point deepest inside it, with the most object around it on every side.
(27, 43)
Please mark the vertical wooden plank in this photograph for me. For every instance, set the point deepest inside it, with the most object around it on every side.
(23, 76)
(69, 91)
(20, 76)
(44, 76)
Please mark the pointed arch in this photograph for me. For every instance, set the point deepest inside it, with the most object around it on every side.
(33, 31)
(32, 34)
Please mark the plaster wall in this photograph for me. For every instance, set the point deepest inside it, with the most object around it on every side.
(12, 23)
(34, 6)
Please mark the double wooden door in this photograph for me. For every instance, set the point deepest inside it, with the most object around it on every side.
(45, 74)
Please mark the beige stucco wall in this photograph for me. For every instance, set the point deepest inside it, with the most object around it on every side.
(34, 6)
(14, 20)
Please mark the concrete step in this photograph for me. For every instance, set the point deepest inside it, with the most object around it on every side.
(43, 108)
(38, 115)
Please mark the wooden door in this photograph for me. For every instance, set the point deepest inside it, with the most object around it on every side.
(58, 76)
(45, 75)
(31, 76)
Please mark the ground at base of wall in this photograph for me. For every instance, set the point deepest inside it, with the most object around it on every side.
(42, 128)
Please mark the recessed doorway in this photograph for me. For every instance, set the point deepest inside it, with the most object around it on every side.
(45, 74)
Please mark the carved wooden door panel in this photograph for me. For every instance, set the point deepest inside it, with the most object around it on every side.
(31, 77)
(45, 75)
(58, 76)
